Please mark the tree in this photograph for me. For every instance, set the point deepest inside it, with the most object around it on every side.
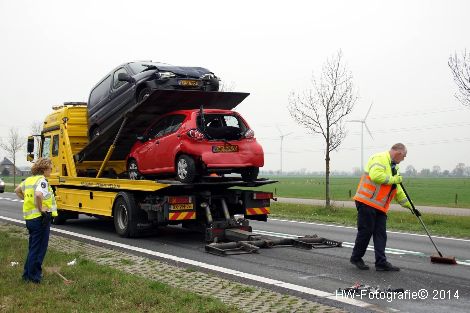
(459, 170)
(12, 146)
(436, 170)
(322, 108)
(460, 67)
(411, 171)
(425, 172)
(226, 86)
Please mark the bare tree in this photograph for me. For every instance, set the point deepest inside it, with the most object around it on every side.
(12, 146)
(411, 171)
(226, 86)
(322, 108)
(36, 128)
(460, 66)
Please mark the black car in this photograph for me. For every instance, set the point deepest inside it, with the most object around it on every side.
(132, 82)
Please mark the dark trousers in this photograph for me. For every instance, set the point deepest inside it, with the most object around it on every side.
(370, 223)
(38, 242)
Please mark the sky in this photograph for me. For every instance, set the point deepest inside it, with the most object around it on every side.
(56, 51)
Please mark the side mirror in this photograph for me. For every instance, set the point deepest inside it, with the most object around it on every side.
(30, 149)
(126, 78)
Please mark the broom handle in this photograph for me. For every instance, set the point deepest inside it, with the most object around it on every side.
(419, 218)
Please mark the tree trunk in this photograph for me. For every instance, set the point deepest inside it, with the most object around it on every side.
(327, 178)
(14, 173)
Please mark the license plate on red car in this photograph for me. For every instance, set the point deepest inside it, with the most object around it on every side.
(225, 149)
(188, 83)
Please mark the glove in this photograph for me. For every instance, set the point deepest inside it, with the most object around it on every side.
(46, 218)
(413, 210)
(397, 179)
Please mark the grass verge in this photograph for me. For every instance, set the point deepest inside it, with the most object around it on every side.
(95, 288)
(442, 225)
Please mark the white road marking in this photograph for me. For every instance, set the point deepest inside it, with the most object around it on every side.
(261, 279)
(345, 244)
(349, 227)
(351, 245)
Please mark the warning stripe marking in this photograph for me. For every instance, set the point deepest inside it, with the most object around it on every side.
(178, 216)
(258, 211)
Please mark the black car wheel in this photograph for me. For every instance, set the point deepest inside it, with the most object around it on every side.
(250, 174)
(143, 94)
(185, 169)
(133, 170)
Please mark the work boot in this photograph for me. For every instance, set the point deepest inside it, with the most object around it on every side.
(359, 264)
(386, 267)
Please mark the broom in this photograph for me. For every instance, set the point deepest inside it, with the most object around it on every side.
(434, 258)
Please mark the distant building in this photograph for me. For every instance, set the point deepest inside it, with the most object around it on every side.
(6, 169)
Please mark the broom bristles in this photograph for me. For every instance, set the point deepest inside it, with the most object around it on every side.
(443, 260)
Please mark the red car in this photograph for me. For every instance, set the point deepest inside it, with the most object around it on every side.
(190, 144)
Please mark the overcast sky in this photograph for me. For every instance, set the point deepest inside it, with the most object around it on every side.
(55, 51)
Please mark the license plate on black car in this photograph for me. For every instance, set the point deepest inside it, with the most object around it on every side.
(188, 83)
(225, 149)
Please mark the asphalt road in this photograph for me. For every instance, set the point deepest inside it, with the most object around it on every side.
(429, 287)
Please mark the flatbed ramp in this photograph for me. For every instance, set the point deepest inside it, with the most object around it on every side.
(137, 119)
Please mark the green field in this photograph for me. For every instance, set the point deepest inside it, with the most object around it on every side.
(443, 225)
(423, 191)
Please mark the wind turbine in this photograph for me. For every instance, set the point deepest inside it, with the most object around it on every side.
(363, 124)
(282, 139)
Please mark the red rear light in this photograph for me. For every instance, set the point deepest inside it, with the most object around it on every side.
(249, 134)
(262, 195)
(195, 134)
(179, 200)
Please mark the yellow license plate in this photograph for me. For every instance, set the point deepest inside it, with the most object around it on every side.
(189, 83)
(225, 149)
(182, 206)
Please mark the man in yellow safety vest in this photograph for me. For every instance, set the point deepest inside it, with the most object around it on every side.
(39, 207)
(379, 184)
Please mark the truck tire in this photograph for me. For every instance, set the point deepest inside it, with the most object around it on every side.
(59, 219)
(250, 174)
(185, 169)
(125, 215)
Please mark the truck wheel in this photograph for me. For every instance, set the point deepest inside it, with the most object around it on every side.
(185, 169)
(250, 174)
(144, 94)
(125, 215)
(133, 170)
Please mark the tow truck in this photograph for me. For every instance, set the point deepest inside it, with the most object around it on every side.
(89, 177)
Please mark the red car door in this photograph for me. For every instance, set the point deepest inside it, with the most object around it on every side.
(147, 152)
(168, 145)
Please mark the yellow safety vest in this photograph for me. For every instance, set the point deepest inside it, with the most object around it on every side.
(375, 188)
(30, 211)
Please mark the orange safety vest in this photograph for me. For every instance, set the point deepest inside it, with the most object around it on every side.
(375, 195)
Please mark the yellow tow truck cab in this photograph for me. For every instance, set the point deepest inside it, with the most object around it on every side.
(101, 188)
